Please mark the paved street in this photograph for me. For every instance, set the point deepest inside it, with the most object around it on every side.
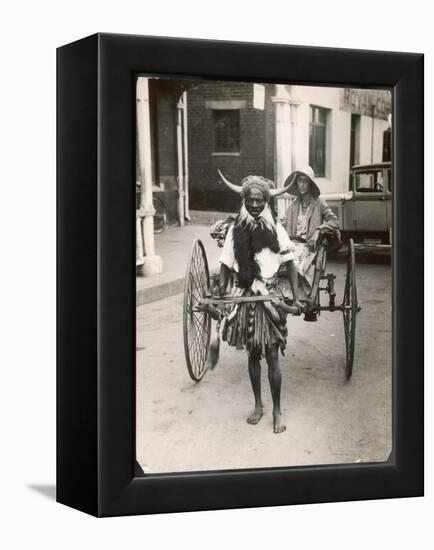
(184, 426)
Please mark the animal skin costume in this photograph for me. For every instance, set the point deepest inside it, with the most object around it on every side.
(254, 249)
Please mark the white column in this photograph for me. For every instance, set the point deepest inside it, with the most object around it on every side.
(139, 239)
(282, 101)
(186, 173)
(180, 165)
(152, 264)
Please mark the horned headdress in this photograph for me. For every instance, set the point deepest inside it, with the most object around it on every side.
(266, 185)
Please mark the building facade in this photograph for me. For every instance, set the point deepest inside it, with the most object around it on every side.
(187, 130)
(235, 127)
(227, 132)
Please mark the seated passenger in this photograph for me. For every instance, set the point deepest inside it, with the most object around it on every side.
(306, 217)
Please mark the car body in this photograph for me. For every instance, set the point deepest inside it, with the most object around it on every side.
(365, 210)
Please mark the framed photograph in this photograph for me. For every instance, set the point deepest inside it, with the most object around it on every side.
(240, 256)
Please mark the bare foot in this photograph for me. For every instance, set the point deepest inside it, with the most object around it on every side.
(278, 425)
(256, 415)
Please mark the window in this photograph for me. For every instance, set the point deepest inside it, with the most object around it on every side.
(226, 130)
(389, 181)
(317, 140)
(370, 182)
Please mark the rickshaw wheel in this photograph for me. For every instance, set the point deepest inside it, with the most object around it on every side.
(196, 323)
(350, 309)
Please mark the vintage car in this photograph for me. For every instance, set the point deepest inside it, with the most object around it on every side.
(365, 211)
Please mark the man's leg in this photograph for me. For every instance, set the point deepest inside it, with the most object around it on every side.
(255, 379)
(275, 379)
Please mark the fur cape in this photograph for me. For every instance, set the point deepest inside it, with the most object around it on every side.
(251, 235)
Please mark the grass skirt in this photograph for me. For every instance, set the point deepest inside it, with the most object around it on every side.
(254, 326)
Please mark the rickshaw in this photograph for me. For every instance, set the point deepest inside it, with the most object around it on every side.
(201, 308)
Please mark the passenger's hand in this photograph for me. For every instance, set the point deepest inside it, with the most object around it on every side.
(299, 306)
(313, 242)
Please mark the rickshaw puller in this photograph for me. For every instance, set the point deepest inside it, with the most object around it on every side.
(254, 247)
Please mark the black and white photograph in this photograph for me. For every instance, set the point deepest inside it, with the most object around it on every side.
(216, 289)
(264, 240)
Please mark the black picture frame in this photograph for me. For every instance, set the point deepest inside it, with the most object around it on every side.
(96, 275)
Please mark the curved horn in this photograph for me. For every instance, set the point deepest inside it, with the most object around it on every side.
(232, 186)
(280, 190)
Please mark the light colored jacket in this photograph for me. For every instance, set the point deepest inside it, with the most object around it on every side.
(320, 216)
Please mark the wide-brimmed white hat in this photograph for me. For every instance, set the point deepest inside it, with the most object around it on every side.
(291, 181)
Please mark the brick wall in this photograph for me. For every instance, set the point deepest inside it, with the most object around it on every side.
(256, 139)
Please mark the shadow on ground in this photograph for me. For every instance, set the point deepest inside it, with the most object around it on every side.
(362, 257)
(48, 491)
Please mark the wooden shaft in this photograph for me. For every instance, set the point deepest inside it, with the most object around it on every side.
(248, 299)
(239, 299)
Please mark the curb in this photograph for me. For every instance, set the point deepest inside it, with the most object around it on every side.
(159, 292)
(163, 290)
